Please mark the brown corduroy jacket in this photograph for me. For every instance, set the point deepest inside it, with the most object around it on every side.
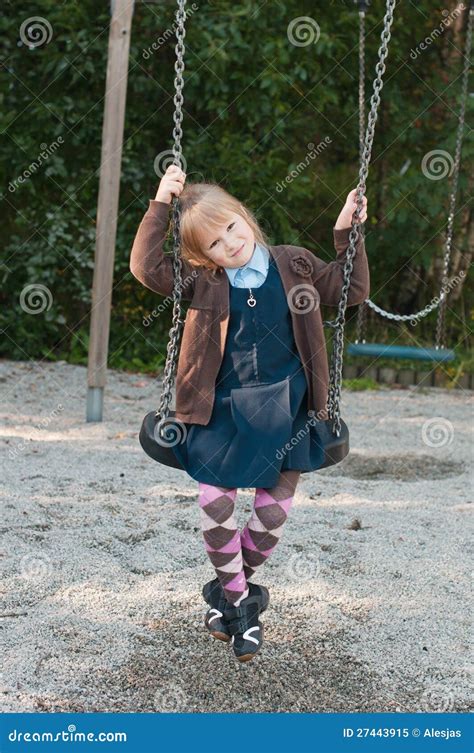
(308, 282)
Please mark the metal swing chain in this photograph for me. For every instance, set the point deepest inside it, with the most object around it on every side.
(335, 379)
(441, 300)
(177, 322)
(362, 310)
(440, 324)
(337, 355)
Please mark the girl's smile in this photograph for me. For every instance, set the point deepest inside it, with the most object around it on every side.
(238, 250)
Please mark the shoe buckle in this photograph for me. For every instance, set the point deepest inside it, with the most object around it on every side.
(236, 626)
(232, 613)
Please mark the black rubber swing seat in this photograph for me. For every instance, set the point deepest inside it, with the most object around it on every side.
(401, 351)
(335, 447)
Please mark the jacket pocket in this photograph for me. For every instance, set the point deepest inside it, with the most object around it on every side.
(199, 305)
(197, 361)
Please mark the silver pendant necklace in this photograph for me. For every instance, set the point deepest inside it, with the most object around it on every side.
(251, 300)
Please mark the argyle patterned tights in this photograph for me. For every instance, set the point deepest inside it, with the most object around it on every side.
(235, 556)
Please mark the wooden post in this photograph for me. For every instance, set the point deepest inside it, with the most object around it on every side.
(109, 189)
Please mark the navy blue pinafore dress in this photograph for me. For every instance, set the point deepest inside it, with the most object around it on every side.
(259, 424)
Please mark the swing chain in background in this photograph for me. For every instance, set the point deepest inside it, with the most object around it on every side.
(441, 300)
(177, 322)
(335, 377)
(362, 309)
(440, 325)
(361, 83)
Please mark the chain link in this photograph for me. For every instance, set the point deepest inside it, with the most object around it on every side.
(335, 374)
(441, 299)
(406, 317)
(175, 331)
(440, 325)
(362, 309)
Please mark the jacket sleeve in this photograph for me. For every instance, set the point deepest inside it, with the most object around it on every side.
(148, 263)
(328, 277)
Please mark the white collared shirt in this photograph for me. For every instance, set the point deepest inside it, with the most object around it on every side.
(254, 272)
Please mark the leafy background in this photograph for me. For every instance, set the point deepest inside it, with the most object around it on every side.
(253, 102)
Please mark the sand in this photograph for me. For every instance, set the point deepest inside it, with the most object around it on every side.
(104, 562)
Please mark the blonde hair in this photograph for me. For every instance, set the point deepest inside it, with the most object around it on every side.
(207, 205)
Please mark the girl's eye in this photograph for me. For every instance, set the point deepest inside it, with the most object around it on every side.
(229, 227)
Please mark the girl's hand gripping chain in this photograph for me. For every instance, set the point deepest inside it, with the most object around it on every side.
(171, 183)
(345, 218)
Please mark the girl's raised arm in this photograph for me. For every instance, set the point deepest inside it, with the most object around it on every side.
(148, 263)
(329, 277)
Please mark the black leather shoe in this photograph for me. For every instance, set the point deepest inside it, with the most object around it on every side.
(243, 624)
(214, 618)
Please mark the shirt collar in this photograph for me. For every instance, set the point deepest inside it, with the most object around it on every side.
(259, 261)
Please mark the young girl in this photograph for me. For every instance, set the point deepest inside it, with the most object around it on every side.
(252, 373)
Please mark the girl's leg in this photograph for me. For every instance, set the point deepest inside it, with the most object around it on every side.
(222, 539)
(264, 529)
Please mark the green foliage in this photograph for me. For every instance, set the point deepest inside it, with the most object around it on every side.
(253, 103)
(360, 384)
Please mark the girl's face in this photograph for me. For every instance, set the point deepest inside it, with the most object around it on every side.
(231, 244)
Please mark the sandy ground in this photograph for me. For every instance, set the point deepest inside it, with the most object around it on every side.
(104, 562)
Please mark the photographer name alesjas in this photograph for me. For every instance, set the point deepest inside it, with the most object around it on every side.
(431, 732)
(447, 733)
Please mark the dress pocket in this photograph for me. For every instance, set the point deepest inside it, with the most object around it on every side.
(263, 421)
